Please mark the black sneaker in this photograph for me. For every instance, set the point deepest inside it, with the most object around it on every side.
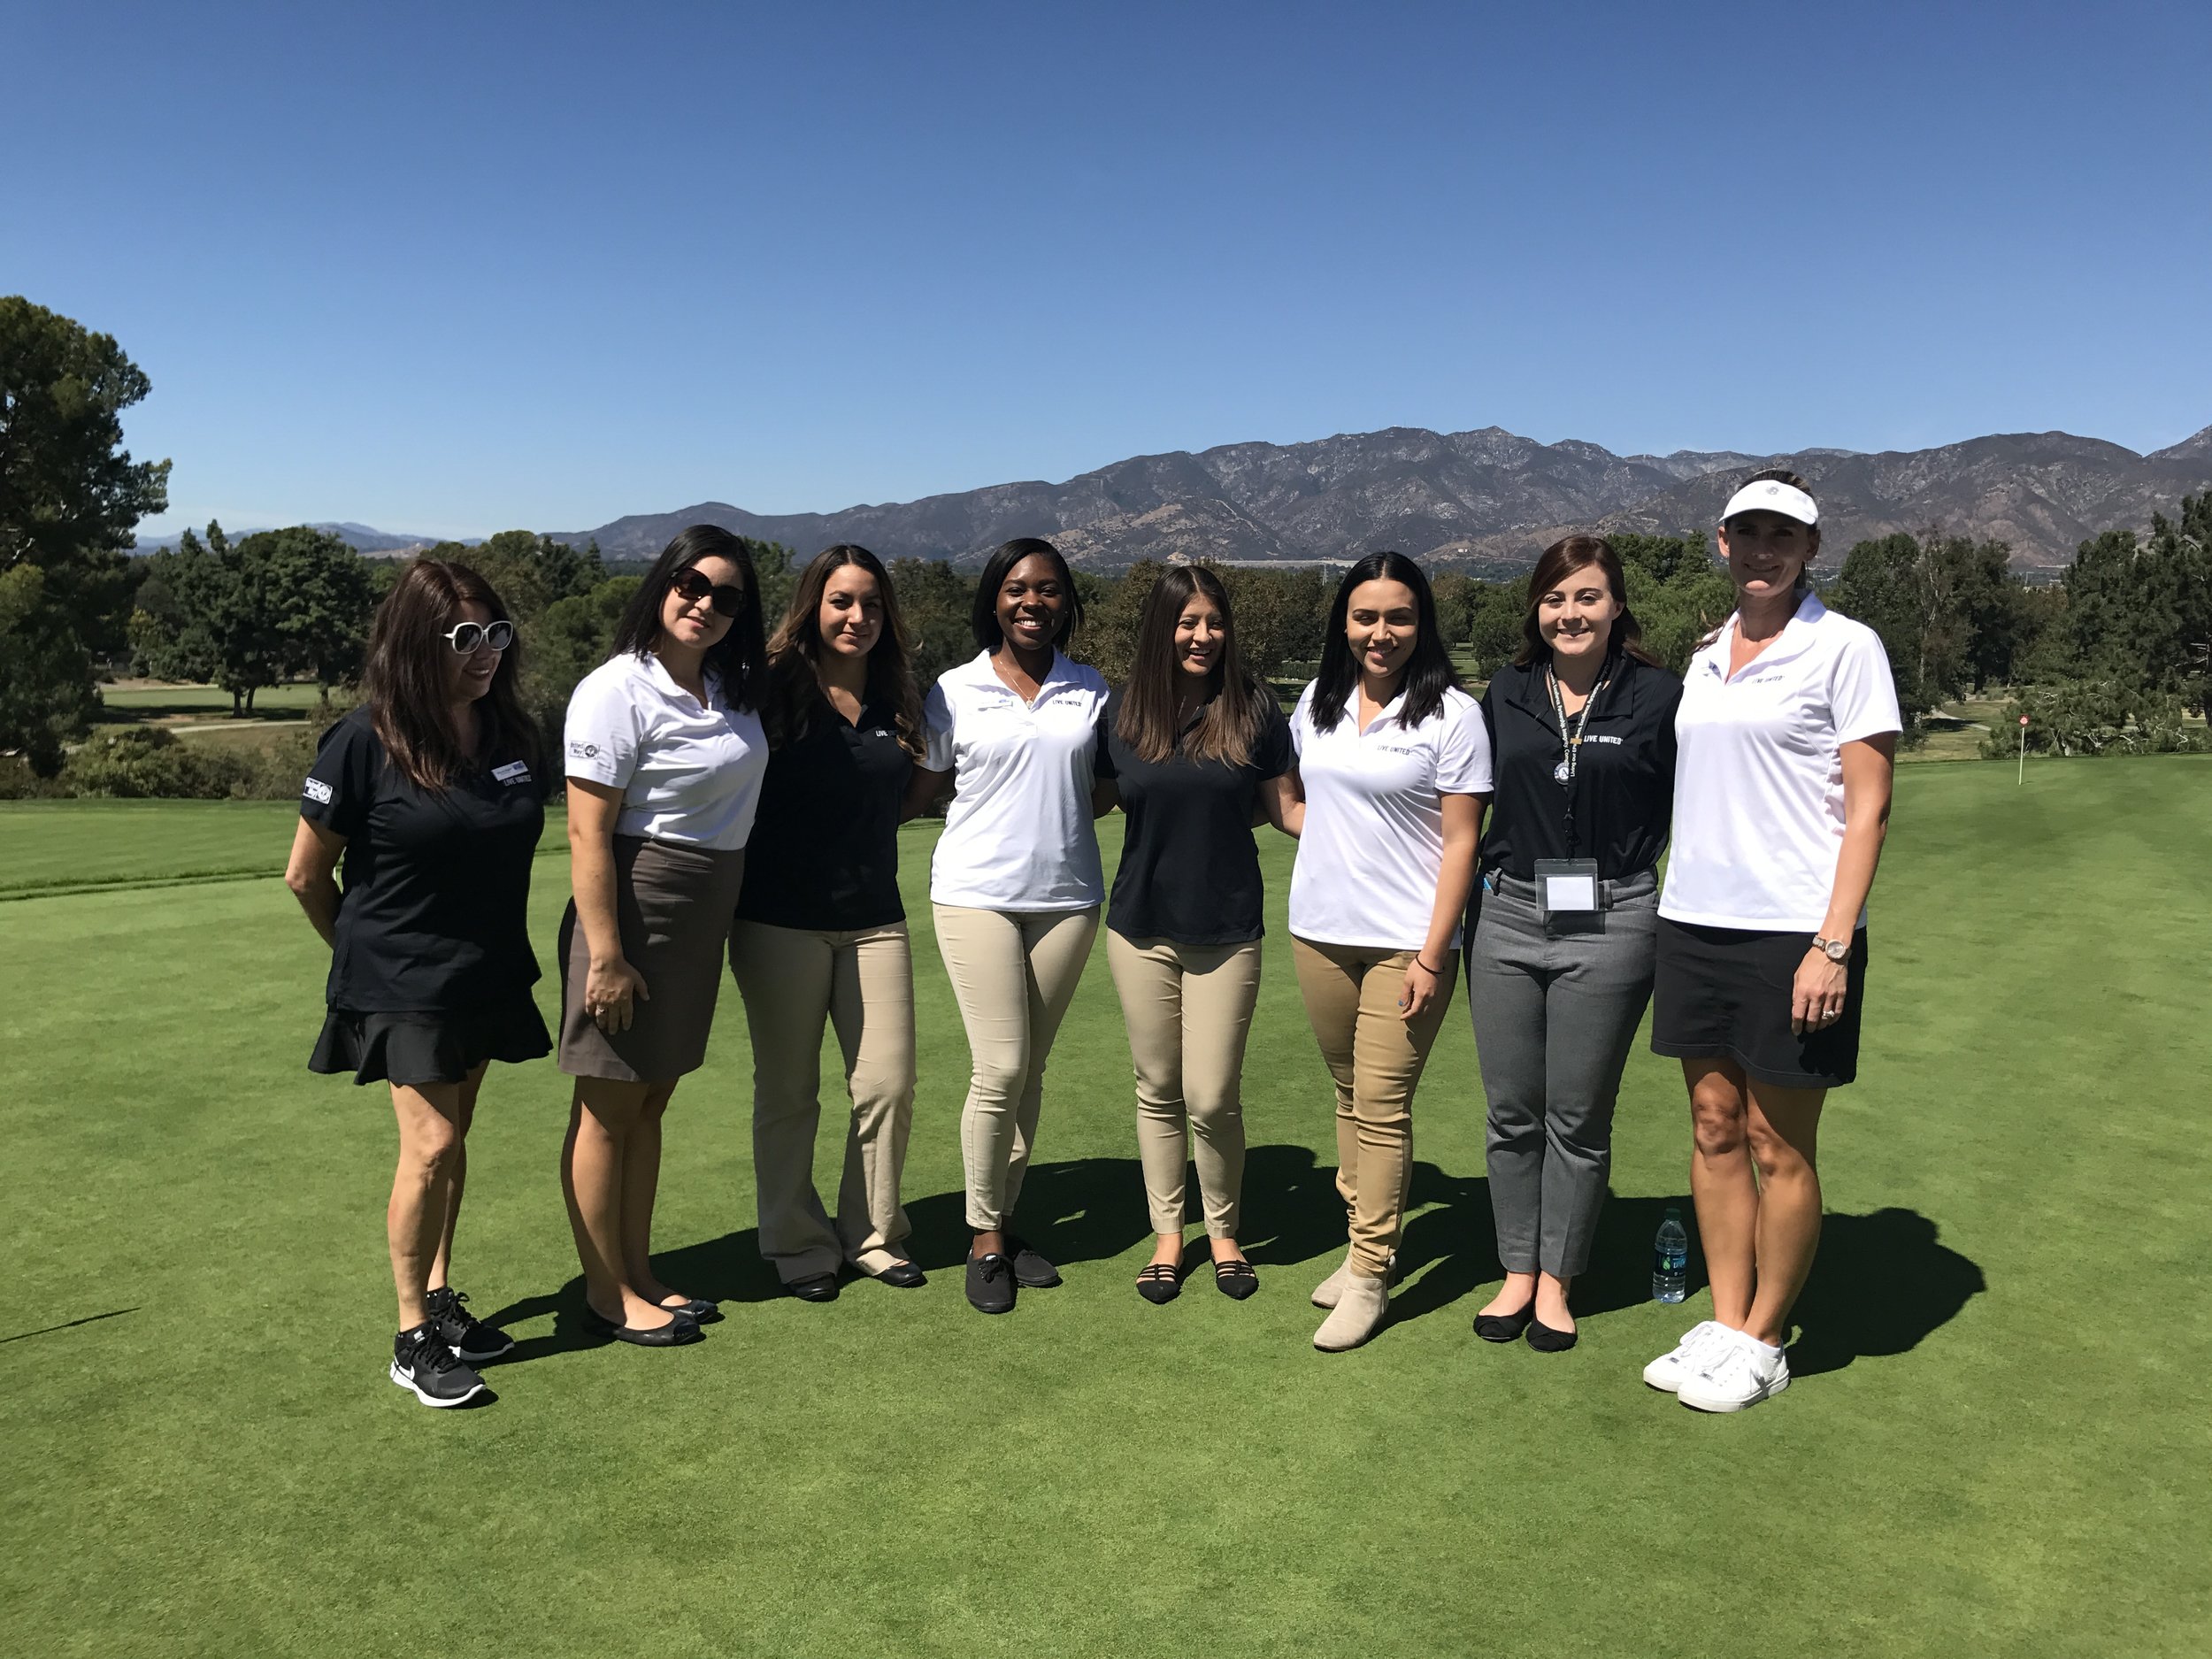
(422, 1361)
(1032, 1271)
(991, 1284)
(465, 1334)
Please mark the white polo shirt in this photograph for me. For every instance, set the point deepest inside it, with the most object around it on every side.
(1372, 850)
(1019, 835)
(686, 773)
(1758, 777)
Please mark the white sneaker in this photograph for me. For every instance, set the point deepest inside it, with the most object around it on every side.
(1667, 1372)
(1737, 1373)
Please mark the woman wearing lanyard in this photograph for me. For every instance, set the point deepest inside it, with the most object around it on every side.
(1787, 730)
(1394, 767)
(1559, 967)
(820, 937)
(433, 793)
(1197, 749)
(1014, 885)
(664, 760)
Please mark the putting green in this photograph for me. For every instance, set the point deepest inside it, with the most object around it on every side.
(1997, 1442)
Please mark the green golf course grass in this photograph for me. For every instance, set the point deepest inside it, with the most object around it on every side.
(1997, 1440)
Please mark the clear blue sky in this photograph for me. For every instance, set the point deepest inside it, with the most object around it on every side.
(441, 267)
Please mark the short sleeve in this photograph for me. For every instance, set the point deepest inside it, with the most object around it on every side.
(599, 737)
(1300, 722)
(1462, 749)
(1861, 696)
(1272, 755)
(937, 730)
(1102, 746)
(341, 786)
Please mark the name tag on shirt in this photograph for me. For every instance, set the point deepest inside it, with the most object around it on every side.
(513, 771)
(1566, 886)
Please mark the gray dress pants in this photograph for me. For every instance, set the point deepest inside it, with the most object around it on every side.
(1554, 1017)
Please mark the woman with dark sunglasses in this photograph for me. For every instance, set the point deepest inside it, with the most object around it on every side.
(664, 758)
(433, 794)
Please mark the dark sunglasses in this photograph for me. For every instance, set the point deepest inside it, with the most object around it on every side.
(467, 636)
(691, 588)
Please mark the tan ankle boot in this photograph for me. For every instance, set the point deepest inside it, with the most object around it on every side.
(1362, 1304)
(1327, 1293)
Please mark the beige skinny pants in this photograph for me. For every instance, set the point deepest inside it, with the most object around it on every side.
(1014, 973)
(862, 983)
(1188, 1009)
(1351, 994)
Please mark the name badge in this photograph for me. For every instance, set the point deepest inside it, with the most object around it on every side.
(513, 771)
(1567, 890)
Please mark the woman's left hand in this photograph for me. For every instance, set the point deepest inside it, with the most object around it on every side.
(1817, 998)
(1418, 991)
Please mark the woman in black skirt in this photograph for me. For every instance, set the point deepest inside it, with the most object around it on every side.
(1784, 738)
(665, 757)
(432, 792)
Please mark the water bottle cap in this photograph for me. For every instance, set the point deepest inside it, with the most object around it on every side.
(1674, 1212)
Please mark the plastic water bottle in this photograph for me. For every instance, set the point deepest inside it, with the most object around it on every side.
(1670, 1260)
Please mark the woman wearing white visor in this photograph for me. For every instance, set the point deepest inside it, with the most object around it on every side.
(1785, 736)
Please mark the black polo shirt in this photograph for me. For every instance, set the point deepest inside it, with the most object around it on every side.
(1189, 870)
(433, 912)
(1623, 787)
(825, 851)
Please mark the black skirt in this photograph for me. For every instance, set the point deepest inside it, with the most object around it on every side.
(1724, 994)
(413, 1048)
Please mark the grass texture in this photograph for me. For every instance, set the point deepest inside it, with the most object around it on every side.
(1997, 1442)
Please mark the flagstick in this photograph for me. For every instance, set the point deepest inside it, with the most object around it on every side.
(2024, 753)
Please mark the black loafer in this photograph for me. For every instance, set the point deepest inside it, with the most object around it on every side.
(678, 1332)
(1544, 1339)
(1505, 1328)
(991, 1283)
(814, 1288)
(902, 1275)
(1032, 1271)
(1235, 1279)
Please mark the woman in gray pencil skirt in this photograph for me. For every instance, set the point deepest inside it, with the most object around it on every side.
(1559, 966)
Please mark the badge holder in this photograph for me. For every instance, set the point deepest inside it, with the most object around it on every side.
(1568, 897)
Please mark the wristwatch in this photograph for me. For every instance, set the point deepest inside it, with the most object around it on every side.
(1834, 949)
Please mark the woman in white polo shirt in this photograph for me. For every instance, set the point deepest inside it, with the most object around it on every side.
(664, 755)
(1015, 884)
(1393, 769)
(1785, 735)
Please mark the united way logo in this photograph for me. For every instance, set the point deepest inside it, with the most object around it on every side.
(316, 789)
(584, 751)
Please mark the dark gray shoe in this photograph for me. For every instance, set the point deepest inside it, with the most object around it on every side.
(462, 1332)
(423, 1364)
(1032, 1271)
(991, 1284)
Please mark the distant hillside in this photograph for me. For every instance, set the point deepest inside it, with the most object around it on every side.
(1486, 495)
(360, 537)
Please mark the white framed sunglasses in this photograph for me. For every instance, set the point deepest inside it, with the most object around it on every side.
(465, 637)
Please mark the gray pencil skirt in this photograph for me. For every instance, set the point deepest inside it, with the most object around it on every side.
(674, 903)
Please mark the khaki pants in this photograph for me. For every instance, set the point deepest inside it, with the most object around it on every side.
(1188, 1009)
(1351, 994)
(1013, 972)
(862, 983)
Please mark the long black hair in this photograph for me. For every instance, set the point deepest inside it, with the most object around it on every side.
(795, 653)
(983, 619)
(1235, 703)
(1428, 671)
(738, 659)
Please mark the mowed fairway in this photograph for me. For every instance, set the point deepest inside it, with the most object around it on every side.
(1998, 1442)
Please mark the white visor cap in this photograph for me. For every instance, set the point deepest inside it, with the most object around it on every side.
(1770, 495)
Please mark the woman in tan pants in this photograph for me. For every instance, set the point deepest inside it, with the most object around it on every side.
(1014, 885)
(1197, 749)
(1393, 769)
(821, 936)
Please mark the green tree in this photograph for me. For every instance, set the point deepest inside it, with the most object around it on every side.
(933, 599)
(528, 571)
(573, 637)
(46, 697)
(1677, 589)
(325, 597)
(228, 596)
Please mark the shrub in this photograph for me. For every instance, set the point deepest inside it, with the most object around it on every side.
(144, 762)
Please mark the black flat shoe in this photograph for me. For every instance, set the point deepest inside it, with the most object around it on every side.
(698, 1311)
(1032, 1271)
(902, 1275)
(1235, 1279)
(1544, 1339)
(1160, 1282)
(1505, 1328)
(814, 1288)
(678, 1332)
(991, 1284)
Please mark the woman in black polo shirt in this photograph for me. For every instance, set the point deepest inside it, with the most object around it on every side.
(1198, 750)
(434, 794)
(821, 933)
(1559, 962)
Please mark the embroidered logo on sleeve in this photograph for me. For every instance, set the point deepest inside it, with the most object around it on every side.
(316, 789)
(584, 751)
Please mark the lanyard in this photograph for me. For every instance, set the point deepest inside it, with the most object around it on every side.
(1571, 739)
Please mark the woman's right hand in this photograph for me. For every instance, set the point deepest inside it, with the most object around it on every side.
(608, 989)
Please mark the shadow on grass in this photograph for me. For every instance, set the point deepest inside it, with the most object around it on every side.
(1881, 1284)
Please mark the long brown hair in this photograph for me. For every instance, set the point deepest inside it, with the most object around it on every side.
(1150, 717)
(404, 681)
(794, 653)
(1562, 559)
(736, 658)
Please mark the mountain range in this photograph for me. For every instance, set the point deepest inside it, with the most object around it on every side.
(360, 537)
(1487, 497)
